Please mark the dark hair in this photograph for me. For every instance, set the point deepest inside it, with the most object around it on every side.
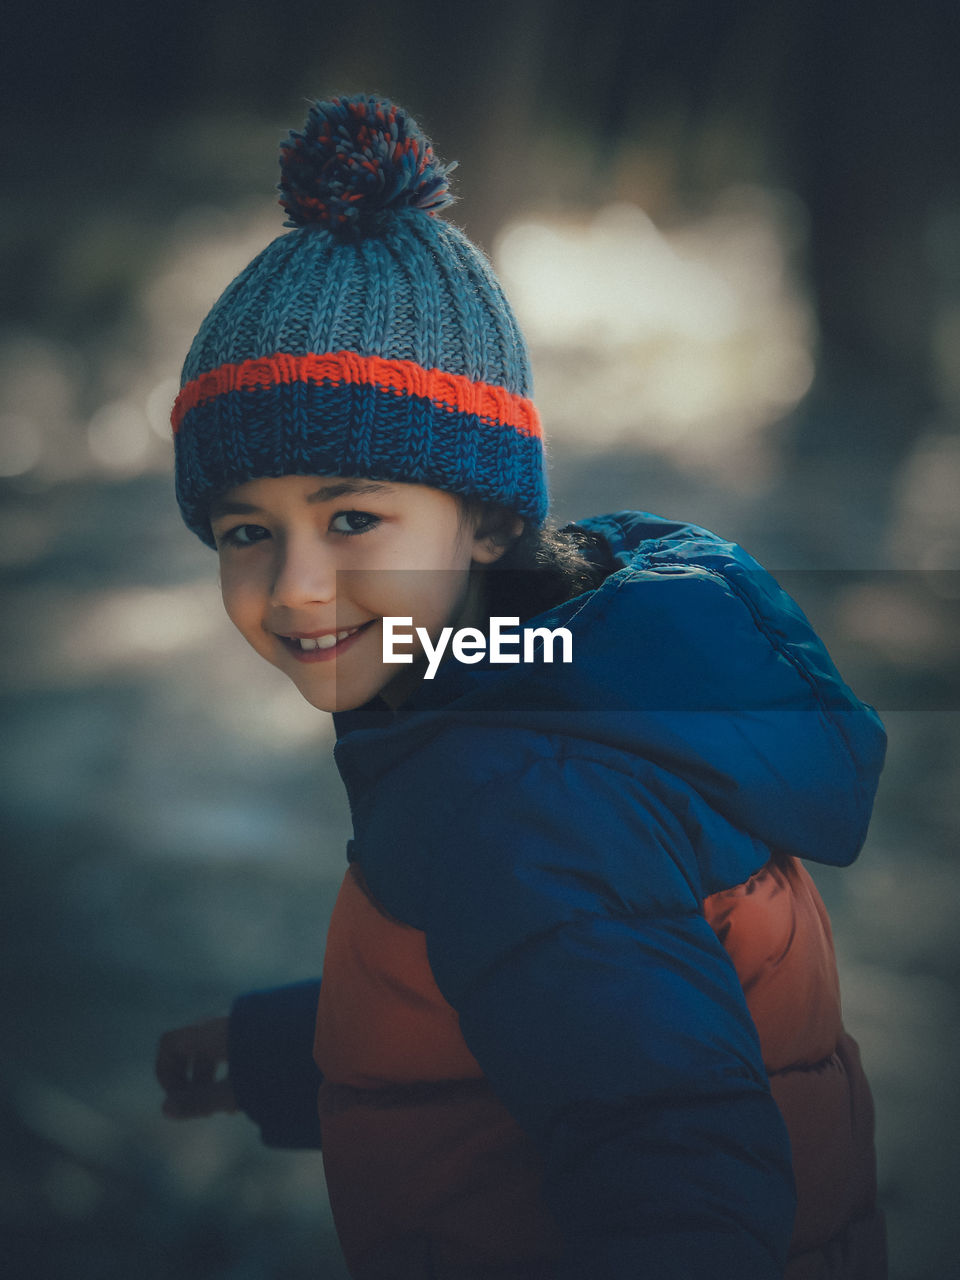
(542, 567)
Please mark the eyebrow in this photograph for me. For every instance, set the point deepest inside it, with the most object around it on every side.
(326, 493)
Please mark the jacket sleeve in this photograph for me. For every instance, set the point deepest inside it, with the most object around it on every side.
(275, 1079)
(565, 927)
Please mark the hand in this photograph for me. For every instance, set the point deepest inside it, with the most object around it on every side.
(189, 1061)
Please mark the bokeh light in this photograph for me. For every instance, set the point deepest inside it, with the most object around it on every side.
(679, 341)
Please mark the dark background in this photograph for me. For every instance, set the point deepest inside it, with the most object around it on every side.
(174, 827)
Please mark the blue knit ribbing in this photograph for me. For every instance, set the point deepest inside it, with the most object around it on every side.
(366, 431)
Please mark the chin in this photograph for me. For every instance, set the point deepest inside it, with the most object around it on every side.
(332, 700)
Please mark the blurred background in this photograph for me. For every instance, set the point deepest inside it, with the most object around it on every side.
(732, 232)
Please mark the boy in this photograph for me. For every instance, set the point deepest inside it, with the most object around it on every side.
(579, 1013)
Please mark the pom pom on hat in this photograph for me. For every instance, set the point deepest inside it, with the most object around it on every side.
(356, 160)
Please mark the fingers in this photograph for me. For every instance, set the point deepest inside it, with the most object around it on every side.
(190, 1066)
(176, 1051)
(188, 1104)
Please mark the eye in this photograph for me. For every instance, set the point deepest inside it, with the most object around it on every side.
(356, 522)
(244, 535)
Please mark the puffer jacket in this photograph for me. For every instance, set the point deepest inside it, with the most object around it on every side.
(580, 1013)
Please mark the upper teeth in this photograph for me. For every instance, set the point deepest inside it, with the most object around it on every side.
(325, 642)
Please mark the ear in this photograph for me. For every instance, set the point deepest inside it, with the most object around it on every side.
(493, 539)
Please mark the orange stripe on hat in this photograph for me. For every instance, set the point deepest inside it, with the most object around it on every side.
(451, 391)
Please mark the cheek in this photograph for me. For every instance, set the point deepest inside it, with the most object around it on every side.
(240, 598)
(429, 595)
(399, 590)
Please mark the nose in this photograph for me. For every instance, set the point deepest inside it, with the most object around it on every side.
(305, 574)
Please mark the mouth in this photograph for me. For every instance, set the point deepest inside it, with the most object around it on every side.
(321, 648)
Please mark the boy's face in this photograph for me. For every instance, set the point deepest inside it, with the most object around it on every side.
(303, 557)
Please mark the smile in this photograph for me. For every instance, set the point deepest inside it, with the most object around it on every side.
(319, 648)
(325, 642)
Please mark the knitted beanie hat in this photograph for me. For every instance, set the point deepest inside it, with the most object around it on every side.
(373, 339)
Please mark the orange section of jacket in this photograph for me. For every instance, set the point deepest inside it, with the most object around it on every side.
(444, 1168)
(776, 931)
(428, 1173)
(382, 1019)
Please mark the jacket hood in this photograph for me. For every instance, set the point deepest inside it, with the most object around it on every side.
(688, 656)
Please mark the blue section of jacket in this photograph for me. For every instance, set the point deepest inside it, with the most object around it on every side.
(554, 828)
